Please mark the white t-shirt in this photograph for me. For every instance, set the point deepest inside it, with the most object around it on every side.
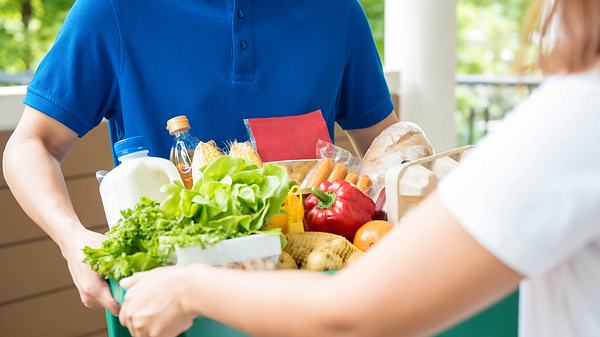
(530, 194)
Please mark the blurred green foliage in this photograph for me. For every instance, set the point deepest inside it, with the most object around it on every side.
(488, 43)
(488, 35)
(487, 32)
(27, 29)
(375, 12)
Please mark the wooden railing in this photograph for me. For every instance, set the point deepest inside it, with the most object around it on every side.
(495, 97)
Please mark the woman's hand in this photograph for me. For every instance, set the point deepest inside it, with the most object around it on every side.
(153, 304)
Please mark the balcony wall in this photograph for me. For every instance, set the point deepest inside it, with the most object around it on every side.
(37, 297)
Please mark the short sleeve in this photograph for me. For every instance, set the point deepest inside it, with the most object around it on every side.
(77, 81)
(364, 96)
(530, 192)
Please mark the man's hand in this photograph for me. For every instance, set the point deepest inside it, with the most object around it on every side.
(93, 290)
(154, 302)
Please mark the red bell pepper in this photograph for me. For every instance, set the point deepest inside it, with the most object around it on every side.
(338, 208)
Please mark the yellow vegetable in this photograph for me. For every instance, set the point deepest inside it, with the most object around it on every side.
(290, 220)
(246, 151)
(208, 152)
(279, 221)
(295, 227)
(294, 208)
(204, 153)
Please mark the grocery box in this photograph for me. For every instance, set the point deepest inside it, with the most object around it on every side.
(500, 320)
(407, 184)
(202, 327)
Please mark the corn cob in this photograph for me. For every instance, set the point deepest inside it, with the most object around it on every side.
(204, 153)
(246, 151)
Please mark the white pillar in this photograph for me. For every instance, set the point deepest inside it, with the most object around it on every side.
(391, 34)
(420, 41)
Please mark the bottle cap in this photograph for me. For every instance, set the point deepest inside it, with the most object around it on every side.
(129, 145)
(178, 123)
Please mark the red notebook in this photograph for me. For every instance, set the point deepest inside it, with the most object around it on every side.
(288, 138)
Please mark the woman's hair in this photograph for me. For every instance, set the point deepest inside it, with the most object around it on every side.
(566, 33)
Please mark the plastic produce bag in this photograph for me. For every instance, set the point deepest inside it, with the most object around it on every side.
(328, 151)
(318, 251)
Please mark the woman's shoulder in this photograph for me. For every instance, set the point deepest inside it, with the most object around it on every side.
(560, 98)
(577, 84)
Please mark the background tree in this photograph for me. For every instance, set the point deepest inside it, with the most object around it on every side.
(487, 32)
(27, 29)
(375, 12)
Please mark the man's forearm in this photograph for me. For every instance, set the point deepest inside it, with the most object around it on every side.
(361, 139)
(31, 165)
(35, 179)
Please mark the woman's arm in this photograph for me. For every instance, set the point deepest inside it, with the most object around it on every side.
(361, 139)
(427, 274)
(31, 165)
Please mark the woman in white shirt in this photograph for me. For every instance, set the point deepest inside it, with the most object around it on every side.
(524, 209)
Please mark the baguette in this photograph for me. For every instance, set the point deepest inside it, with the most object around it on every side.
(399, 142)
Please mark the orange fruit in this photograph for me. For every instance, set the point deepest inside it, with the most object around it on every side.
(370, 233)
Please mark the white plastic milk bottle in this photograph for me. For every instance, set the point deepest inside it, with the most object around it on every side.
(138, 175)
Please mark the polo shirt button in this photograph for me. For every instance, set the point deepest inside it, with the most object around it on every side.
(241, 14)
(243, 45)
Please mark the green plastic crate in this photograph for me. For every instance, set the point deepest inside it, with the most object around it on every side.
(500, 320)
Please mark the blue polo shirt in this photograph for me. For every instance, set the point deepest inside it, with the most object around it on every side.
(139, 63)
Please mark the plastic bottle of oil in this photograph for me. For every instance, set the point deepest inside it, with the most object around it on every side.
(182, 150)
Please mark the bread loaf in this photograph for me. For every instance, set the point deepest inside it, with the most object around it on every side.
(403, 141)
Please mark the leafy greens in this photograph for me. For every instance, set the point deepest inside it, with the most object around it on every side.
(232, 198)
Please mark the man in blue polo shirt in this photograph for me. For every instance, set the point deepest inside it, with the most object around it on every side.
(138, 63)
